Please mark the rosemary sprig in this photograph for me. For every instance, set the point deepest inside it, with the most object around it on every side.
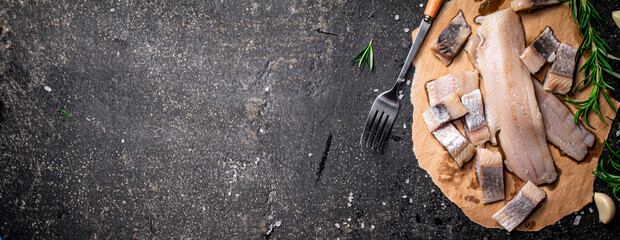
(612, 180)
(587, 17)
(365, 57)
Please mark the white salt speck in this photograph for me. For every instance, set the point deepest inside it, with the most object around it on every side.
(266, 89)
(591, 210)
(424, 204)
(319, 228)
(47, 88)
(400, 96)
(257, 160)
(406, 30)
(432, 190)
(111, 9)
(582, 212)
(404, 196)
(229, 193)
(396, 17)
(309, 154)
(406, 181)
(376, 90)
(372, 226)
(577, 219)
(361, 225)
(443, 205)
(350, 198)
(337, 225)
(338, 238)
(421, 5)
(425, 175)
(348, 219)
(405, 126)
(617, 132)
(408, 82)
(278, 223)
(204, 208)
(383, 203)
(400, 92)
(122, 140)
(410, 200)
(348, 204)
(261, 131)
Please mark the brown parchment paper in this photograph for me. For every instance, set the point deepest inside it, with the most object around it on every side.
(573, 188)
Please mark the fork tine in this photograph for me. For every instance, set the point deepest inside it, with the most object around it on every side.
(378, 131)
(373, 132)
(369, 121)
(386, 132)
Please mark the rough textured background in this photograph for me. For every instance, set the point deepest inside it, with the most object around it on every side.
(200, 119)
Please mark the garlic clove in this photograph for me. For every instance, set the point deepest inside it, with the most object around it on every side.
(606, 207)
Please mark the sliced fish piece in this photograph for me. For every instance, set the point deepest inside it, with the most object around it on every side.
(451, 39)
(471, 49)
(490, 172)
(517, 209)
(448, 109)
(455, 143)
(475, 124)
(524, 5)
(574, 140)
(540, 51)
(560, 76)
(510, 101)
(458, 82)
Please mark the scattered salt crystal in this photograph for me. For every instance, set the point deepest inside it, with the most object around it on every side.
(362, 225)
(203, 208)
(257, 160)
(421, 5)
(396, 17)
(424, 204)
(47, 88)
(278, 223)
(400, 91)
(348, 204)
(406, 30)
(266, 89)
(410, 200)
(408, 82)
(383, 203)
(112, 10)
(617, 132)
(337, 225)
(406, 181)
(400, 96)
(432, 190)
(376, 90)
(405, 126)
(443, 205)
(261, 131)
(309, 154)
(229, 193)
(338, 238)
(577, 219)
(404, 196)
(372, 226)
(591, 210)
(348, 219)
(122, 140)
(581, 212)
(319, 228)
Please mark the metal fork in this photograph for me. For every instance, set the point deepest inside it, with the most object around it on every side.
(385, 108)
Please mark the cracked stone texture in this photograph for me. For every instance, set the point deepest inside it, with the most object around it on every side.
(218, 119)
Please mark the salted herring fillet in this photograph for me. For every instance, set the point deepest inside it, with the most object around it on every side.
(448, 109)
(540, 51)
(574, 140)
(475, 125)
(524, 5)
(451, 39)
(490, 172)
(471, 47)
(517, 209)
(458, 82)
(560, 76)
(453, 141)
(510, 101)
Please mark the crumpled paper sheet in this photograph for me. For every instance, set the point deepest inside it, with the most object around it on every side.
(573, 188)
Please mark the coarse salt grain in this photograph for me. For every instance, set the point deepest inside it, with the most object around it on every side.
(577, 219)
(122, 140)
(309, 154)
(376, 90)
(383, 203)
(278, 223)
(400, 96)
(406, 181)
(408, 82)
(337, 225)
(266, 89)
(47, 88)
(421, 5)
(405, 126)
(396, 17)
(410, 200)
(362, 225)
(348, 219)
(406, 30)
(591, 210)
(372, 226)
(404, 196)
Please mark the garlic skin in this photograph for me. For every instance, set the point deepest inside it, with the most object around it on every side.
(606, 207)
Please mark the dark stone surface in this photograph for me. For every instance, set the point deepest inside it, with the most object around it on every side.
(173, 134)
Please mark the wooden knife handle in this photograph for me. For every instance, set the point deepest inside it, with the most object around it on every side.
(432, 7)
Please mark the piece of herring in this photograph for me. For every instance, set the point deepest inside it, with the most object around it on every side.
(490, 172)
(517, 209)
(475, 123)
(451, 39)
(560, 76)
(448, 109)
(455, 143)
(540, 51)
(525, 5)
